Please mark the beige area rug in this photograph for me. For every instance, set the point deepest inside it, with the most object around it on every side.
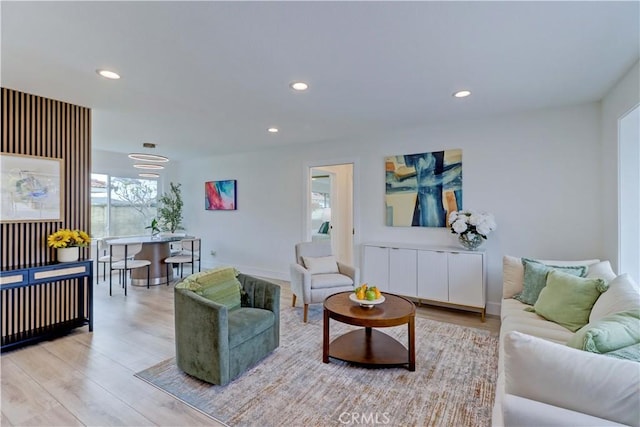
(453, 385)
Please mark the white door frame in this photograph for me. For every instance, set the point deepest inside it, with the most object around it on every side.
(306, 193)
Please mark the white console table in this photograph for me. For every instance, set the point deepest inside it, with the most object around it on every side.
(442, 275)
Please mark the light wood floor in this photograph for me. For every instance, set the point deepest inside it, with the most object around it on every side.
(87, 378)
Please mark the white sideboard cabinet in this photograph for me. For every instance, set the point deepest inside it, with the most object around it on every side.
(441, 275)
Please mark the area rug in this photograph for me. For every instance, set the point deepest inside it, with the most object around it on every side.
(453, 384)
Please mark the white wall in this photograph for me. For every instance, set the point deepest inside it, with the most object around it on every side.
(539, 173)
(621, 99)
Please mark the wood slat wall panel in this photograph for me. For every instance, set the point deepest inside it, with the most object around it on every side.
(37, 126)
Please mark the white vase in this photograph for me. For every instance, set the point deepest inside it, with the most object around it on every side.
(68, 254)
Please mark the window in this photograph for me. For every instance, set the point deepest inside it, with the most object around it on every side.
(629, 194)
(121, 206)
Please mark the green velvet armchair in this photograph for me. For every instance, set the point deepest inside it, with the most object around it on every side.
(215, 344)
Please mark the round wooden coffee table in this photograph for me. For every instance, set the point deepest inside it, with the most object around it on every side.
(368, 346)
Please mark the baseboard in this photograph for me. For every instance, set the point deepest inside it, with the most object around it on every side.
(494, 308)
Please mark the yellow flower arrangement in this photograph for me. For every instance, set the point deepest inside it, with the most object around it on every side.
(66, 238)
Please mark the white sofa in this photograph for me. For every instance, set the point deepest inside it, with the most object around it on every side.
(542, 381)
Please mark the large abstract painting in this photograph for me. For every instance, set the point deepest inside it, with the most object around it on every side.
(421, 189)
(31, 188)
(220, 195)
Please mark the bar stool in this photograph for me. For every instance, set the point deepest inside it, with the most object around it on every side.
(190, 253)
(125, 254)
(102, 257)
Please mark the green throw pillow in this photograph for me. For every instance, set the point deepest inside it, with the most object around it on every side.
(189, 284)
(610, 333)
(205, 279)
(631, 352)
(567, 300)
(226, 293)
(535, 278)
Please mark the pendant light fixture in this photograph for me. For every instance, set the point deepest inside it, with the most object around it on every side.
(146, 157)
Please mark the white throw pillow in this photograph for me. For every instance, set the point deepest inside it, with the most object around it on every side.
(623, 294)
(513, 272)
(601, 270)
(562, 376)
(321, 265)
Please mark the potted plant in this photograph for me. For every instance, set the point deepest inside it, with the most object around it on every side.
(170, 209)
(67, 242)
(153, 227)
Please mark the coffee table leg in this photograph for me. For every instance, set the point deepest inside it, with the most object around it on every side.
(412, 344)
(325, 337)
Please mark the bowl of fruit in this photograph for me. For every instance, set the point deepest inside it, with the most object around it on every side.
(367, 296)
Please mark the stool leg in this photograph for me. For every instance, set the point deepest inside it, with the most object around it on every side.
(148, 274)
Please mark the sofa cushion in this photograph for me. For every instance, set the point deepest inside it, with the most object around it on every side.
(224, 293)
(562, 376)
(535, 278)
(567, 300)
(320, 265)
(522, 412)
(513, 272)
(609, 333)
(321, 281)
(623, 294)
(246, 322)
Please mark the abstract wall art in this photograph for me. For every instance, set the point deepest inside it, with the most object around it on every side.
(31, 188)
(421, 189)
(220, 195)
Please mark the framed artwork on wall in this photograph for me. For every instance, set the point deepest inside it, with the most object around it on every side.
(422, 189)
(220, 195)
(31, 188)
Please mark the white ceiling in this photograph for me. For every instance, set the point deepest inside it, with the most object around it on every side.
(203, 78)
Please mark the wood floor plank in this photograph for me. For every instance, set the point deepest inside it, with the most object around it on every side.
(22, 396)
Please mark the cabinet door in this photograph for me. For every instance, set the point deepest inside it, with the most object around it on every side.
(375, 269)
(402, 271)
(433, 280)
(466, 274)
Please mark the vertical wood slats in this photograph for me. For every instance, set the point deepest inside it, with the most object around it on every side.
(37, 126)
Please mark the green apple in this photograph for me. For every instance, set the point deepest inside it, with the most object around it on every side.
(370, 295)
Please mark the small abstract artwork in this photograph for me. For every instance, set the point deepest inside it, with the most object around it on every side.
(31, 188)
(220, 195)
(422, 189)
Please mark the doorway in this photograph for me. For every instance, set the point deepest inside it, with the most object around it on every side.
(330, 208)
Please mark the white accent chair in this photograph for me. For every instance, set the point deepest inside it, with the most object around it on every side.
(189, 253)
(121, 258)
(316, 274)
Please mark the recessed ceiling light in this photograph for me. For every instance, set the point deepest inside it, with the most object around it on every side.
(108, 74)
(299, 86)
(144, 166)
(273, 130)
(149, 175)
(462, 93)
(148, 157)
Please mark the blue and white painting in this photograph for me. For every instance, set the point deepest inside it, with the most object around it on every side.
(422, 189)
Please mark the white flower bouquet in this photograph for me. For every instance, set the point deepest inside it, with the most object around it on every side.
(469, 224)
